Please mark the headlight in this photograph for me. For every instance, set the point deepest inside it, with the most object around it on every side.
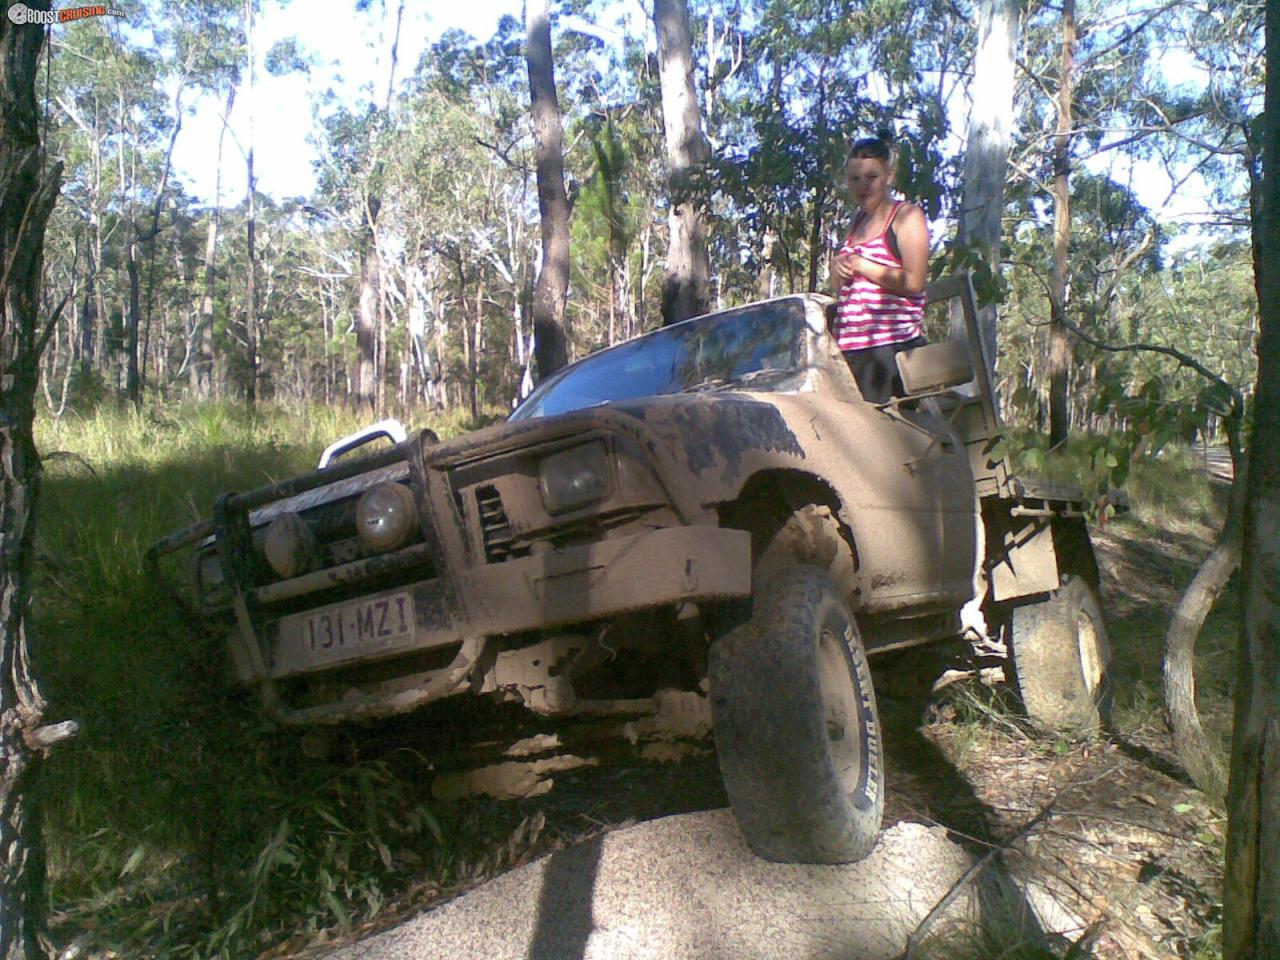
(386, 516)
(211, 582)
(574, 477)
(290, 546)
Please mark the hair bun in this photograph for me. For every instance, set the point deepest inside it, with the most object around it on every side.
(885, 134)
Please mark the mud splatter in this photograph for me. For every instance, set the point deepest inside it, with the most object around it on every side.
(510, 780)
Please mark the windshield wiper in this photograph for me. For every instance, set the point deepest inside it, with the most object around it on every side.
(741, 380)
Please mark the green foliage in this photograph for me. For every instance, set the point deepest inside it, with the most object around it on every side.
(180, 822)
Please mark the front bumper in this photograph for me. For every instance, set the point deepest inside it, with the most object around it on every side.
(552, 589)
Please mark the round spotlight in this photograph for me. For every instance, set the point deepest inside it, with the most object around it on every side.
(290, 546)
(386, 516)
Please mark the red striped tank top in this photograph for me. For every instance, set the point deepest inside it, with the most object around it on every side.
(867, 314)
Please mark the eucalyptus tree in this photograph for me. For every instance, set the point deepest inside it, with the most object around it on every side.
(685, 292)
(205, 41)
(1251, 906)
(186, 34)
(28, 191)
(81, 134)
(200, 353)
(986, 155)
(1059, 345)
(140, 121)
(459, 211)
(249, 21)
(553, 203)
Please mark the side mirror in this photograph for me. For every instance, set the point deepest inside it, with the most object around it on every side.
(935, 366)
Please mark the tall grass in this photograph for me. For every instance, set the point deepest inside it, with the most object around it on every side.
(180, 821)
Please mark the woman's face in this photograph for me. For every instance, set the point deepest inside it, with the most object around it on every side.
(868, 181)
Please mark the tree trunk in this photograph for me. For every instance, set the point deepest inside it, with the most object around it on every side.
(549, 293)
(27, 197)
(88, 317)
(473, 373)
(201, 369)
(369, 310)
(764, 280)
(133, 377)
(686, 288)
(1195, 753)
(816, 246)
(251, 284)
(153, 232)
(986, 155)
(202, 366)
(372, 312)
(1059, 346)
(1251, 908)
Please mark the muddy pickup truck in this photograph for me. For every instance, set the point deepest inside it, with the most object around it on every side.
(712, 506)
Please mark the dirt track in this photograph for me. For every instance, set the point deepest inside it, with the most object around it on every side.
(687, 888)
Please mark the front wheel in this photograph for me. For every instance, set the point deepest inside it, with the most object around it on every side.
(1061, 657)
(796, 725)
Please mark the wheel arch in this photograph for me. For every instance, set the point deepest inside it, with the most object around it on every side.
(771, 498)
(1075, 551)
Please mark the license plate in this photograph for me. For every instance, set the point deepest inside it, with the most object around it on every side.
(344, 631)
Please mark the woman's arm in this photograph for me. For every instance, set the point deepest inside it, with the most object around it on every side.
(913, 247)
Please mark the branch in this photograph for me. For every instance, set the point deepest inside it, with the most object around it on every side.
(1133, 31)
(921, 931)
(1035, 78)
(74, 114)
(1030, 177)
(43, 738)
(1178, 184)
(1129, 259)
(1237, 402)
(45, 334)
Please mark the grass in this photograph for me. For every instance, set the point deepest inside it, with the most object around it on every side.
(180, 823)
(999, 937)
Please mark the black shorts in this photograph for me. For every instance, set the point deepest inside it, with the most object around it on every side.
(876, 370)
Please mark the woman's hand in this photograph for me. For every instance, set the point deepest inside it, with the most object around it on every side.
(842, 270)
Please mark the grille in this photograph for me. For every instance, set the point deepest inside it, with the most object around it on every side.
(495, 528)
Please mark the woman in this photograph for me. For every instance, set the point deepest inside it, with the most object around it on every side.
(879, 274)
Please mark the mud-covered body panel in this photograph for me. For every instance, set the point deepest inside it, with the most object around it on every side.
(902, 478)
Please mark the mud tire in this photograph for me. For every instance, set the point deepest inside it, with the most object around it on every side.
(796, 724)
(1061, 657)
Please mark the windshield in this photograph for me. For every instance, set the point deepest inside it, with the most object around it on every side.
(757, 345)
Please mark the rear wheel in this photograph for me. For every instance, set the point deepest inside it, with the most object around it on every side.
(796, 725)
(1061, 657)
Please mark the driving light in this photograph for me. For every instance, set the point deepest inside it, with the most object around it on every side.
(574, 477)
(386, 515)
(211, 582)
(290, 546)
